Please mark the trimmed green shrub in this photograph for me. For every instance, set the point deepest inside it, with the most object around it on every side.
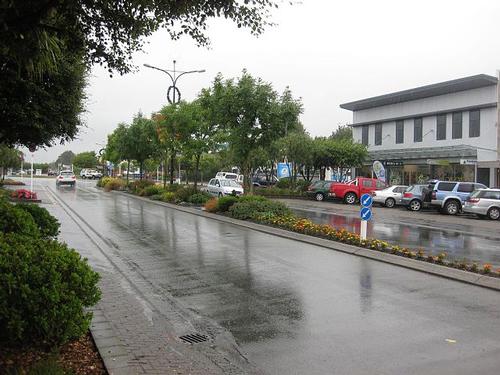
(14, 219)
(284, 183)
(153, 190)
(44, 288)
(252, 198)
(156, 197)
(138, 185)
(168, 196)
(103, 181)
(253, 209)
(302, 185)
(173, 188)
(114, 184)
(47, 224)
(225, 202)
(199, 198)
(182, 194)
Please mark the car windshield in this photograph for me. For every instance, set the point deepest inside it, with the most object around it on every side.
(230, 176)
(230, 183)
(66, 173)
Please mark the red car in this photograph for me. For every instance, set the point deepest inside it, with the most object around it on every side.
(351, 191)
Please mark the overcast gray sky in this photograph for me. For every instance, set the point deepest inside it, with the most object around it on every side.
(327, 52)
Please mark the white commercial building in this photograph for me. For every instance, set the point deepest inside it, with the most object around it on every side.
(447, 131)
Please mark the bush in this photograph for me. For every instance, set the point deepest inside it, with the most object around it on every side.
(284, 183)
(103, 181)
(252, 198)
(44, 288)
(47, 224)
(114, 184)
(183, 193)
(302, 185)
(253, 209)
(173, 188)
(224, 203)
(153, 190)
(14, 219)
(167, 196)
(199, 198)
(136, 186)
(211, 205)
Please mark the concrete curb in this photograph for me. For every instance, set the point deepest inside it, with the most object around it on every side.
(417, 265)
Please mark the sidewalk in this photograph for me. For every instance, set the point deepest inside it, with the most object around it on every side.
(137, 327)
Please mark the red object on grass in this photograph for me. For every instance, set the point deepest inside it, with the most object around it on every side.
(24, 194)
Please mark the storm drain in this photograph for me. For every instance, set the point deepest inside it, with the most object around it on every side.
(194, 338)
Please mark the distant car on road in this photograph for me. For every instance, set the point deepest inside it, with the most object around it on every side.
(351, 191)
(389, 197)
(484, 203)
(450, 196)
(319, 190)
(66, 178)
(219, 187)
(262, 181)
(90, 174)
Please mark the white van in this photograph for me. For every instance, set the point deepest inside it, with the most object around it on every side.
(230, 176)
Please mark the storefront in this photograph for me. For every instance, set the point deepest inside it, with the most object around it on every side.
(407, 167)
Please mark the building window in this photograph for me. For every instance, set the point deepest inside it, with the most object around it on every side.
(417, 130)
(456, 123)
(474, 123)
(378, 134)
(441, 127)
(400, 131)
(364, 135)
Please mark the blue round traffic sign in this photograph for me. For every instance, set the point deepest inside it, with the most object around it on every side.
(366, 200)
(366, 213)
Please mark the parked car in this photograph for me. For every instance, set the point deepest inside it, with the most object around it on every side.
(66, 178)
(219, 187)
(351, 191)
(262, 180)
(319, 190)
(90, 174)
(389, 197)
(450, 196)
(484, 203)
(413, 198)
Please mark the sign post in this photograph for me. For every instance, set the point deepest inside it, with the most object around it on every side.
(365, 214)
(32, 149)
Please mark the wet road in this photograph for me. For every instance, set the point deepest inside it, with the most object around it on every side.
(296, 308)
(460, 237)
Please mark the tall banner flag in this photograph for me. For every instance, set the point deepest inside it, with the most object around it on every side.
(283, 170)
(379, 170)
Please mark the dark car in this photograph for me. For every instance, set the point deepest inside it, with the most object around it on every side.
(413, 198)
(262, 180)
(319, 190)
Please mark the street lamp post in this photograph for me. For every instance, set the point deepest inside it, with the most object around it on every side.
(173, 92)
(173, 97)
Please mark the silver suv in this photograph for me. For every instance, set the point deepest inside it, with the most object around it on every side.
(450, 196)
(484, 203)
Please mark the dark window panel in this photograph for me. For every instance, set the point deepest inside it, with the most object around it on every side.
(417, 130)
(474, 123)
(456, 131)
(364, 135)
(441, 127)
(378, 134)
(400, 131)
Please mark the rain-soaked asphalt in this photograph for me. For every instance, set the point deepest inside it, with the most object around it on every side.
(296, 308)
(461, 238)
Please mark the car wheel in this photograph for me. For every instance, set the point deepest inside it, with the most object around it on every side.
(451, 207)
(415, 205)
(350, 198)
(494, 213)
(319, 197)
(390, 202)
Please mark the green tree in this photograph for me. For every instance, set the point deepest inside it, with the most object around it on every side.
(46, 48)
(297, 147)
(87, 159)
(253, 114)
(119, 146)
(343, 132)
(66, 158)
(9, 158)
(140, 135)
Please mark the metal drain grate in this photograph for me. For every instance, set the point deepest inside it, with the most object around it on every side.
(194, 338)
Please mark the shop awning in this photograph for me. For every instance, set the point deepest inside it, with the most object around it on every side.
(448, 152)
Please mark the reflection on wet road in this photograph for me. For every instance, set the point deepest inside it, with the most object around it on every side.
(456, 244)
(296, 308)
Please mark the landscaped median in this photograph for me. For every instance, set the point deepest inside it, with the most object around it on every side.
(260, 210)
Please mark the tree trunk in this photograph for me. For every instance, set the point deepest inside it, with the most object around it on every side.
(196, 170)
(172, 161)
(128, 170)
(141, 166)
(164, 172)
